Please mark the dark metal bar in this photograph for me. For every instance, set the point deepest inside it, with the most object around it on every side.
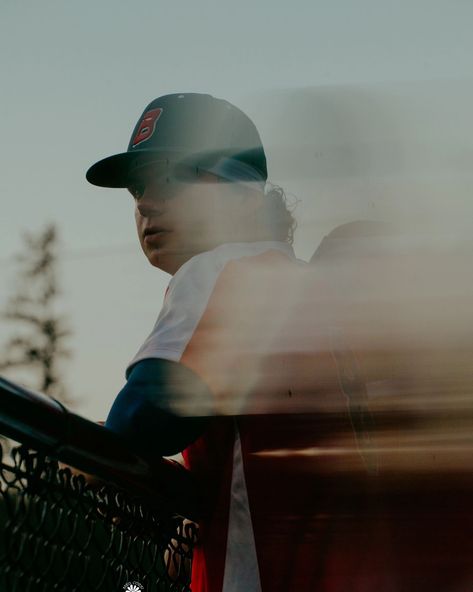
(45, 424)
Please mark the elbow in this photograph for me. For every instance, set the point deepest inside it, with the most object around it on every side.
(152, 432)
(145, 411)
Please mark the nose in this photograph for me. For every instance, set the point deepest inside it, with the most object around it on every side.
(152, 200)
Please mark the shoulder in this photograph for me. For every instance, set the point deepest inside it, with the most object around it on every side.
(202, 288)
(201, 272)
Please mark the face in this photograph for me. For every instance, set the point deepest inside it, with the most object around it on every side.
(176, 220)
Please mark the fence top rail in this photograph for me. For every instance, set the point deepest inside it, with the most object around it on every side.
(46, 425)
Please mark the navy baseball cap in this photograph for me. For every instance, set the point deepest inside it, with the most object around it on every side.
(191, 129)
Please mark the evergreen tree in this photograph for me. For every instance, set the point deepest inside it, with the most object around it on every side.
(40, 332)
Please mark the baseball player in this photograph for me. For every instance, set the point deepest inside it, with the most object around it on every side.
(226, 374)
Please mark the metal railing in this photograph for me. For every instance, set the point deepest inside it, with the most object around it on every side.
(388, 512)
(133, 529)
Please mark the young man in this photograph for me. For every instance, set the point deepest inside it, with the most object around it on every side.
(226, 375)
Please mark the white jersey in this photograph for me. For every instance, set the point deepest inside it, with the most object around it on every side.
(237, 316)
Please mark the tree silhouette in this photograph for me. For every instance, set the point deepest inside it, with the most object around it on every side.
(38, 342)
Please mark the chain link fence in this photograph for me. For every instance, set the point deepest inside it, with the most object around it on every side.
(60, 533)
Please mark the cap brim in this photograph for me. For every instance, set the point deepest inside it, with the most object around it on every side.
(115, 171)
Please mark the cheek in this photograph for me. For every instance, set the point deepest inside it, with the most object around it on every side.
(138, 226)
(138, 219)
(202, 209)
(195, 217)
(197, 228)
(185, 216)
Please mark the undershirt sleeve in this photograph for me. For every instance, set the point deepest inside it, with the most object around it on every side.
(150, 409)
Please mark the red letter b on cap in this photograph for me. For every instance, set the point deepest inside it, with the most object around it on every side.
(147, 126)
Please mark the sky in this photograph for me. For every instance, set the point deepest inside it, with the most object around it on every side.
(364, 109)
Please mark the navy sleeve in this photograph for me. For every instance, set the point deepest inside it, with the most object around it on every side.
(162, 409)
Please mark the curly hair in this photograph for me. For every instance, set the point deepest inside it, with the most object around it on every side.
(278, 214)
(273, 220)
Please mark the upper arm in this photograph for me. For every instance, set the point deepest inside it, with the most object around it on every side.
(162, 409)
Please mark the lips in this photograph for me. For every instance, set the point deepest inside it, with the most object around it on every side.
(154, 235)
(152, 230)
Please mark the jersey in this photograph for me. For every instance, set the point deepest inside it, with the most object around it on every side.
(249, 320)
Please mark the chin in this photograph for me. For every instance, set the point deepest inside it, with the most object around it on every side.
(159, 262)
(165, 263)
(156, 259)
(170, 261)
